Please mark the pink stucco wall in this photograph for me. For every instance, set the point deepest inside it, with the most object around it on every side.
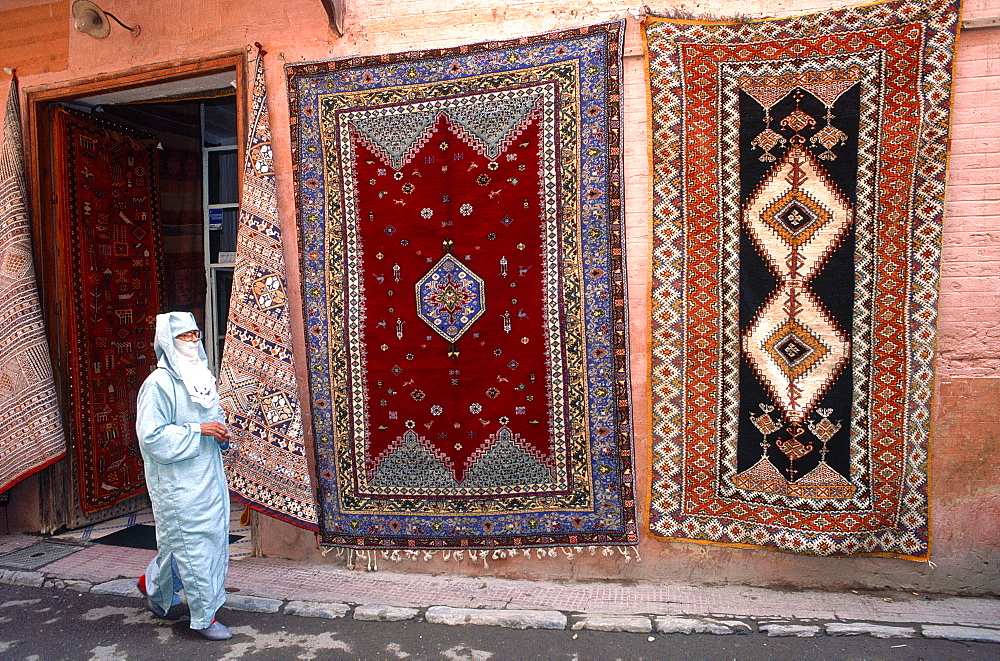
(965, 491)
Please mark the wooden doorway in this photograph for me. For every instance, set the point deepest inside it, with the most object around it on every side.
(60, 495)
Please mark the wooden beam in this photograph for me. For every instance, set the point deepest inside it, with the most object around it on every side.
(162, 72)
(35, 38)
(977, 23)
(335, 10)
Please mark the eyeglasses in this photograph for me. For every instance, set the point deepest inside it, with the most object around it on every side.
(190, 336)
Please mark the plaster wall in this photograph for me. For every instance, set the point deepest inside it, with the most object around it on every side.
(965, 489)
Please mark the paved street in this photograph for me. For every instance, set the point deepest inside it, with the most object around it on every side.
(78, 600)
(50, 623)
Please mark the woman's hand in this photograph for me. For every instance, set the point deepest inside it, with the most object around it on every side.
(216, 429)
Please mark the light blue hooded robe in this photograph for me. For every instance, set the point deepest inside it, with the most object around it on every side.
(186, 482)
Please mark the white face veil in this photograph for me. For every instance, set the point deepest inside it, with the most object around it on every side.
(187, 360)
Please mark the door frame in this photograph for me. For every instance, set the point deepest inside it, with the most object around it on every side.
(58, 494)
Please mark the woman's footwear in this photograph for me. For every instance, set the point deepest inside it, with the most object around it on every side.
(176, 610)
(215, 631)
(153, 607)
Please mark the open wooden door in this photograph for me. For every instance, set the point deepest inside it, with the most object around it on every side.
(98, 245)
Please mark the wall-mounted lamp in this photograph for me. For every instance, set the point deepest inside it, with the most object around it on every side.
(90, 19)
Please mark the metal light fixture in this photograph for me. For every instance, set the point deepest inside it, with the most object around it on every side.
(90, 19)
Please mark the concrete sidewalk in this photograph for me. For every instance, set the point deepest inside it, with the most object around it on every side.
(320, 590)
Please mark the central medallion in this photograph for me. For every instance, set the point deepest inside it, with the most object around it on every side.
(450, 297)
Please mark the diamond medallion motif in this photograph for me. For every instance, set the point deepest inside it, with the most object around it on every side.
(794, 349)
(796, 219)
(450, 298)
(268, 292)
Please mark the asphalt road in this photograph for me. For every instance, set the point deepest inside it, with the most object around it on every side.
(46, 623)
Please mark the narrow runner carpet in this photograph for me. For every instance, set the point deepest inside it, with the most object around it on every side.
(109, 211)
(461, 229)
(31, 432)
(799, 175)
(266, 467)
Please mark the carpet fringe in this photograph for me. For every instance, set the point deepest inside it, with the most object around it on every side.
(681, 14)
(370, 557)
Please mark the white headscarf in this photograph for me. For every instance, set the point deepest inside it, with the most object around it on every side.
(186, 359)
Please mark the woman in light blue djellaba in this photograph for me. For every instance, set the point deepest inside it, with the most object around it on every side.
(181, 435)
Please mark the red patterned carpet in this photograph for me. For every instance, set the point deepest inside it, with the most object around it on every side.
(115, 265)
(462, 254)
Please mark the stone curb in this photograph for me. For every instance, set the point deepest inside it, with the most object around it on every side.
(537, 619)
(32, 579)
(873, 630)
(122, 587)
(961, 634)
(689, 625)
(627, 623)
(509, 618)
(316, 609)
(251, 604)
(787, 629)
(384, 613)
(69, 584)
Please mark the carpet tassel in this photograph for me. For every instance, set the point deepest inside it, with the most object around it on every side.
(396, 556)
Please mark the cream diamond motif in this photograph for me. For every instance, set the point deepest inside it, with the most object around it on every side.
(796, 219)
(797, 358)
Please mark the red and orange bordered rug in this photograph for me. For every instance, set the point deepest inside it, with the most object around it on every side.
(799, 176)
(461, 227)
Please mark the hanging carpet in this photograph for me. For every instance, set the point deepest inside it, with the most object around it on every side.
(31, 431)
(799, 178)
(179, 186)
(110, 213)
(461, 228)
(266, 467)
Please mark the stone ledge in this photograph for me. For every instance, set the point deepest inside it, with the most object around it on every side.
(961, 634)
(627, 623)
(867, 628)
(511, 619)
(329, 610)
(795, 630)
(689, 625)
(371, 613)
(251, 604)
